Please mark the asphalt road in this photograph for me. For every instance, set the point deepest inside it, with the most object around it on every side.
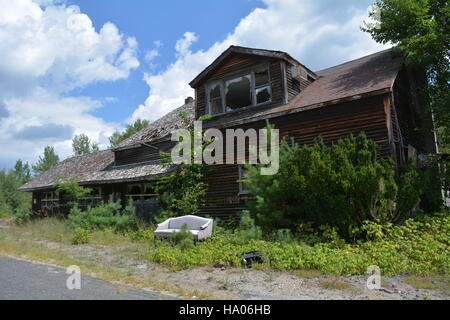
(20, 280)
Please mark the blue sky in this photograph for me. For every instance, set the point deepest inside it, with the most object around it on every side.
(152, 21)
(93, 66)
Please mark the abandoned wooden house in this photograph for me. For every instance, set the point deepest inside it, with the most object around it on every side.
(242, 88)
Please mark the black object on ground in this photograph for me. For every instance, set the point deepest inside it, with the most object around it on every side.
(252, 257)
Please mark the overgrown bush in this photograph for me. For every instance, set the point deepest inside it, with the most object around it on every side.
(80, 236)
(417, 247)
(341, 185)
(182, 191)
(12, 201)
(247, 230)
(435, 177)
(183, 238)
(71, 192)
(142, 234)
(104, 217)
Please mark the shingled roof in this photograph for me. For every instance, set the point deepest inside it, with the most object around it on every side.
(95, 168)
(162, 127)
(366, 76)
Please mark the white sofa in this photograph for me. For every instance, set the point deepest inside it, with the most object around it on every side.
(200, 228)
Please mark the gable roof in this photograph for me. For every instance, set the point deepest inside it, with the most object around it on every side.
(244, 50)
(370, 75)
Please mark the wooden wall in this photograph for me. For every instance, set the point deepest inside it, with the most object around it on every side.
(294, 87)
(141, 154)
(333, 122)
(241, 63)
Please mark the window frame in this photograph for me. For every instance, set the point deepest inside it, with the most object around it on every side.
(241, 73)
(241, 181)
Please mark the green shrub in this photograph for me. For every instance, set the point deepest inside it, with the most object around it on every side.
(417, 247)
(71, 192)
(340, 185)
(182, 192)
(80, 236)
(12, 201)
(142, 235)
(104, 217)
(184, 238)
(284, 236)
(247, 230)
(435, 177)
(22, 215)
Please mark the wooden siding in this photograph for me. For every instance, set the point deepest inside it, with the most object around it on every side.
(141, 154)
(332, 123)
(294, 87)
(240, 63)
(223, 199)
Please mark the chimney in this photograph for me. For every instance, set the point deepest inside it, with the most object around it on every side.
(188, 100)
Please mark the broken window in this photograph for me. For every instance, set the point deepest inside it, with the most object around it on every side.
(215, 99)
(241, 92)
(262, 86)
(238, 93)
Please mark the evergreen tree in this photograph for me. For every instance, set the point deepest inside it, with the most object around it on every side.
(421, 29)
(118, 136)
(81, 145)
(45, 162)
(22, 171)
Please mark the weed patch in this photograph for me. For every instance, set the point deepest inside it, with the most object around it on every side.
(335, 285)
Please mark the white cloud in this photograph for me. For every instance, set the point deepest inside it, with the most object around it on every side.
(151, 55)
(47, 49)
(42, 109)
(318, 33)
(182, 46)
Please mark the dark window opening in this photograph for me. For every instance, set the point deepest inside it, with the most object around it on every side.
(261, 77)
(241, 92)
(238, 93)
(263, 95)
(135, 190)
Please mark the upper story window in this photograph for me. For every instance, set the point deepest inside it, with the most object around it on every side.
(247, 90)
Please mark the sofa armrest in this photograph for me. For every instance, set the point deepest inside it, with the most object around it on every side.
(164, 225)
(205, 232)
(203, 227)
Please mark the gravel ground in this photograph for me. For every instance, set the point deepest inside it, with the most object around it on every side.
(218, 282)
(249, 284)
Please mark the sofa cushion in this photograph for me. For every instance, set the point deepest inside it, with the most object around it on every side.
(170, 232)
